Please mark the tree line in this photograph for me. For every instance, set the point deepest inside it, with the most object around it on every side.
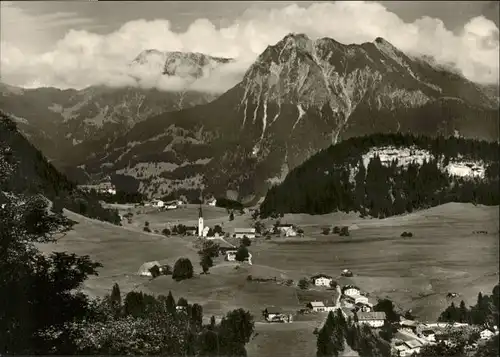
(485, 312)
(325, 182)
(337, 332)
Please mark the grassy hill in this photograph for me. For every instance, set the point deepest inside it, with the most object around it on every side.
(33, 174)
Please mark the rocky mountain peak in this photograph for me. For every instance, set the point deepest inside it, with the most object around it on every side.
(189, 65)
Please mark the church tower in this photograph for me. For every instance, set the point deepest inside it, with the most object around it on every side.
(200, 222)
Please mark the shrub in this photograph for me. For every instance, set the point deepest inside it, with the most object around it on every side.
(344, 231)
(336, 230)
(147, 229)
(155, 271)
(183, 269)
(303, 283)
(245, 241)
(166, 232)
(326, 231)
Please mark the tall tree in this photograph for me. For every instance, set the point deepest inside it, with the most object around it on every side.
(170, 303)
(39, 290)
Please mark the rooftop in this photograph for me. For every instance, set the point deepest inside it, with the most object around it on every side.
(244, 230)
(317, 304)
(317, 276)
(372, 315)
(413, 343)
(273, 310)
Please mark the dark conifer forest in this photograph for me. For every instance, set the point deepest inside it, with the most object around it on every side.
(336, 179)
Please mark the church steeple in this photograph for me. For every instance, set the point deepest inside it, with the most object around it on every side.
(200, 219)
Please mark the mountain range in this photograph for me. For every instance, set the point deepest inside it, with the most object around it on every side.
(299, 97)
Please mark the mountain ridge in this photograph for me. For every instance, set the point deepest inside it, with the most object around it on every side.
(298, 98)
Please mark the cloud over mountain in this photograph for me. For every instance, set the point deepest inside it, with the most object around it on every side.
(84, 58)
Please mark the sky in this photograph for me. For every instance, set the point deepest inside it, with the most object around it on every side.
(74, 44)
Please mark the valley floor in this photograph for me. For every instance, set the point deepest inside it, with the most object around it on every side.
(444, 255)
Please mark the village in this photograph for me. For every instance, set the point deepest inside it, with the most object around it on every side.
(410, 335)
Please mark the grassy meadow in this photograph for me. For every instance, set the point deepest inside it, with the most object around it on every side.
(444, 255)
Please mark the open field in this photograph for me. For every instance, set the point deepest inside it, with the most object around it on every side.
(442, 256)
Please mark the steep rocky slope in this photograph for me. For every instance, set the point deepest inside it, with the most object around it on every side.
(299, 97)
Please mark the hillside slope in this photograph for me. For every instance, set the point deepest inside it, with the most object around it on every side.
(33, 174)
(299, 97)
(388, 174)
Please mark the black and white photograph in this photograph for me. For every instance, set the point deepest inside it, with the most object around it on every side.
(249, 178)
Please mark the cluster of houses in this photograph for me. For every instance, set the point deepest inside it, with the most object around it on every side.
(426, 333)
(101, 188)
(164, 205)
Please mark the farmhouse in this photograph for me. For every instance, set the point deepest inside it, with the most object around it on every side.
(322, 280)
(351, 290)
(274, 314)
(429, 335)
(413, 347)
(363, 307)
(356, 299)
(317, 306)
(212, 202)
(244, 232)
(171, 205)
(230, 255)
(409, 325)
(144, 269)
(157, 203)
(373, 318)
(191, 230)
(287, 229)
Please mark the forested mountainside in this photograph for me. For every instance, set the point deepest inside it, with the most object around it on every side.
(382, 175)
(33, 174)
(297, 98)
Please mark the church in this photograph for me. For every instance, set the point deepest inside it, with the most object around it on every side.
(202, 230)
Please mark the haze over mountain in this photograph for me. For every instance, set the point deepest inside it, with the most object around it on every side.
(72, 122)
(299, 97)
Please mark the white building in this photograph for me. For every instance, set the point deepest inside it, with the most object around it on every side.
(171, 205)
(157, 203)
(274, 314)
(372, 318)
(287, 229)
(486, 334)
(357, 299)
(244, 232)
(231, 255)
(317, 306)
(351, 290)
(112, 191)
(212, 202)
(322, 280)
(413, 347)
(429, 335)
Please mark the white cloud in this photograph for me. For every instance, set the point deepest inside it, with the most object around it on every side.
(83, 58)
